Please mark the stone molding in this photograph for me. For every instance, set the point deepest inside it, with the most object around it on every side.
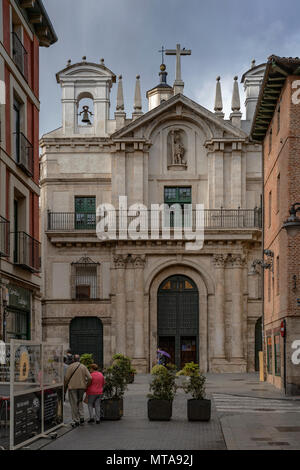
(120, 261)
(237, 261)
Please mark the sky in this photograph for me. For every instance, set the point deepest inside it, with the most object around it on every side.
(224, 36)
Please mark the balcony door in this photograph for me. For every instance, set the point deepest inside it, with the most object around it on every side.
(85, 213)
(17, 130)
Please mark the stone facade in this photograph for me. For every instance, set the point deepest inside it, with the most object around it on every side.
(121, 156)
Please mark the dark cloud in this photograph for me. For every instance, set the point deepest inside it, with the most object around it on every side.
(224, 37)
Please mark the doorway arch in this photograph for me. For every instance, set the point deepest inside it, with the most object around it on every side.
(178, 319)
(86, 336)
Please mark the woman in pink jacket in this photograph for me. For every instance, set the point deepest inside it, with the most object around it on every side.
(94, 393)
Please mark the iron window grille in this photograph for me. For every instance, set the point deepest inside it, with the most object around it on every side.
(85, 279)
(20, 55)
(24, 153)
(27, 251)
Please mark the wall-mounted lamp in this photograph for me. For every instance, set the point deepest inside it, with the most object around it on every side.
(269, 264)
(292, 224)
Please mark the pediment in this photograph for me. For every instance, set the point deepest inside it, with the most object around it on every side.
(85, 70)
(180, 107)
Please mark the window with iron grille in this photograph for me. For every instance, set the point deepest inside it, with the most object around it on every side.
(85, 279)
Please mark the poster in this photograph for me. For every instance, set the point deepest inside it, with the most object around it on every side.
(53, 408)
(27, 417)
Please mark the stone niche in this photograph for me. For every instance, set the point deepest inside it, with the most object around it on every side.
(177, 148)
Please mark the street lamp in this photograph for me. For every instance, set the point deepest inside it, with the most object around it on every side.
(260, 262)
(292, 224)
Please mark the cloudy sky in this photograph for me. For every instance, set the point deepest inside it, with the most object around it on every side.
(224, 36)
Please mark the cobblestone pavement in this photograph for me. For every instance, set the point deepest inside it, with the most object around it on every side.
(135, 432)
(254, 415)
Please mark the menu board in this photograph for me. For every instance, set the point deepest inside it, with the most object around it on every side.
(27, 417)
(53, 407)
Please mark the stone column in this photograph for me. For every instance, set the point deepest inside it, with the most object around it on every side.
(120, 264)
(219, 323)
(139, 339)
(237, 263)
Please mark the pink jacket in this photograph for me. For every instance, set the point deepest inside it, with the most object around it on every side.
(96, 387)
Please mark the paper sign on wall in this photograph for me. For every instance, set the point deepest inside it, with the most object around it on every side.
(2, 353)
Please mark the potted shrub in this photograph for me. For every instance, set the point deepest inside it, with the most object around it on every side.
(163, 388)
(116, 380)
(131, 375)
(198, 407)
(87, 360)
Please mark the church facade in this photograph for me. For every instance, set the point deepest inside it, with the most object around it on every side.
(135, 294)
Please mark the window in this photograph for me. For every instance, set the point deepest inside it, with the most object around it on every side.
(270, 140)
(277, 276)
(278, 119)
(277, 354)
(269, 285)
(270, 208)
(269, 355)
(178, 195)
(85, 213)
(278, 192)
(85, 279)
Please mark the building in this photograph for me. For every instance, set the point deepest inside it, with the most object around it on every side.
(131, 296)
(24, 27)
(277, 126)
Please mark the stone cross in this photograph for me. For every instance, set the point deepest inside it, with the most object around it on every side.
(178, 52)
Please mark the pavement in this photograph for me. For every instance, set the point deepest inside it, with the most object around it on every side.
(246, 415)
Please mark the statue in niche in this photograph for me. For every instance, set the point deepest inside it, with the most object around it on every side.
(176, 148)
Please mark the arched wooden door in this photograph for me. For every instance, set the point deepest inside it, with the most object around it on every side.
(86, 336)
(178, 319)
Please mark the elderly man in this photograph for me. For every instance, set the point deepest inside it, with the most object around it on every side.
(77, 379)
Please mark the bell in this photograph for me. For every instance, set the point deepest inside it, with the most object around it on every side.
(85, 117)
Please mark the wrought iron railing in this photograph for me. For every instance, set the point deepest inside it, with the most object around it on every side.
(213, 219)
(20, 55)
(27, 251)
(24, 153)
(4, 237)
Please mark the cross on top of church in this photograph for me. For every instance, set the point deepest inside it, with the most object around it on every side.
(163, 50)
(178, 52)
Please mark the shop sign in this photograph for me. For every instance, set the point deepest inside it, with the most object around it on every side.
(2, 353)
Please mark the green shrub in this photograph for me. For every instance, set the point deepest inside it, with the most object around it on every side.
(162, 386)
(87, 359)
(117, 377)
(190, 368)
(195, 384)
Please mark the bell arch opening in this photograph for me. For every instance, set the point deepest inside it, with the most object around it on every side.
(85, 109)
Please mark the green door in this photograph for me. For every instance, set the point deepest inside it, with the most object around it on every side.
(181, 195)
(178, 319)
(258, 341)
(86, 336)
(85, 213)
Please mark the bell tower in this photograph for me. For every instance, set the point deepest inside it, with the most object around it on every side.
(81, 82)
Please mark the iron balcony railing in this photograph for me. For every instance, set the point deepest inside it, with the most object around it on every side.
(20, 55)
(27, 251)
(24, 153)
(4, 237)
(213, 219)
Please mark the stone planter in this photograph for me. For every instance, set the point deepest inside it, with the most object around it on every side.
(112, 409)
(198, 410)
(159, 410)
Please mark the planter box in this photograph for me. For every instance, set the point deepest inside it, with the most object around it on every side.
(159, 410)
(112, 410)
(198, 410)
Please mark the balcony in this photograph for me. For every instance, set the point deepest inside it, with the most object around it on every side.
(4, 237)
(20, 56)
(24, 153)
(27, 251)
(213, 219)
